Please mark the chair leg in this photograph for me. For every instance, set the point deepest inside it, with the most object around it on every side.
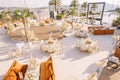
(111, 63)
(119, 59)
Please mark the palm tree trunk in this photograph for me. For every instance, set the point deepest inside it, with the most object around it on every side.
(26, 35)
(72, 21)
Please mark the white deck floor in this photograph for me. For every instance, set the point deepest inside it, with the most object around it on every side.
(71, 64)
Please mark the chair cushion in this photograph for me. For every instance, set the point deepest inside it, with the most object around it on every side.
(11, 76)
(53, 77)
(47, 72)
(50, 69)
(48, 63)
(117, 52)
(23, 69)
(50, 78)
(17, 67)
(12, 73)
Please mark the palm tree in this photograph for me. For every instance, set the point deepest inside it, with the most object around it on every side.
(84, 6)
(56, 3)
(117, 21)
(5, 16)
(23, 15)
(73, 13)
(75, 4)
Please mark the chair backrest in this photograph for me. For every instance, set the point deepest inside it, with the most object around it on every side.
(99, 32)
(109, 31)
(47, 70)
(15, 68)
(117, 52)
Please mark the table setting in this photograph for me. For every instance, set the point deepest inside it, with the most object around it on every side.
(88, 45)
(51, 46)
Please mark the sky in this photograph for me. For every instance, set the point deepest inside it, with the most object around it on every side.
(43, 3)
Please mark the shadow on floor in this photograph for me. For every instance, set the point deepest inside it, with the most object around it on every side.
(112, 74)
(1, 76)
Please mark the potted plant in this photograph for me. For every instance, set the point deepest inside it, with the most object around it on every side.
(116, 22)
(23, 15)
(59, 16)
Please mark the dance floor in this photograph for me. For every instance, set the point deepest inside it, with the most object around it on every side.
(41, 32)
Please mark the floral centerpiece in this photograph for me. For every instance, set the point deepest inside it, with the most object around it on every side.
(88, 41)
(33, 64)
(50, 41)
(33, 70)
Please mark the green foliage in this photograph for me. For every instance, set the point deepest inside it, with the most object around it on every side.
(55, 2)
(83, 14)
(73, 12)
(94, 6)
(6, 16)
(84, 5)
(20, 14)
(26, 13)
(0, 16)
(33, 16)
(95, 13)
(9, 16)
(59, 16)
(74, 4)
(17, 14)
(116, 22)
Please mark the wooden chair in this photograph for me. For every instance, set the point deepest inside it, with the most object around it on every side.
(47, 70)
(115, 53)
(15, 68)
